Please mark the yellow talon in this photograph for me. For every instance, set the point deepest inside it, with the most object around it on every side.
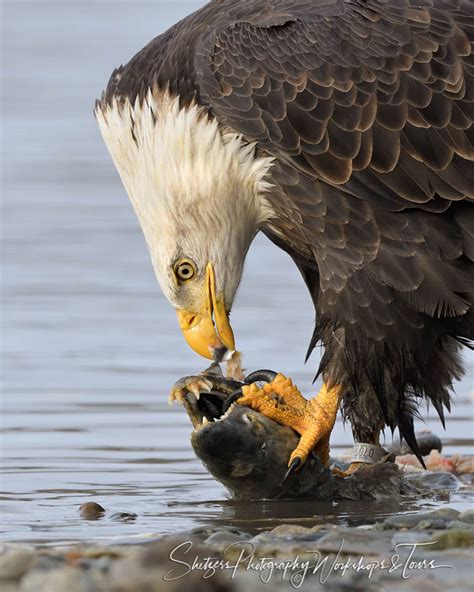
(314, 420)
(351, 469)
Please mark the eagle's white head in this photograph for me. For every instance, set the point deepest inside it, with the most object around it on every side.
(199, 194)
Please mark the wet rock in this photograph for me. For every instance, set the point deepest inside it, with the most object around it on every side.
(453, 539)
(355, 542)
(448, 513)
(459, 524)
(434, 480)
(408, 537)
(159, 553)
(292, 533)
(382, 481)
(15, 560)
(49, 561)
(226, 536)
(202, 534)
(467, 479)
(151, 570)
(467, 516)
(91, 511)
(102, 564)
(433, 524)
(68, 579)
(9, 585)
(289, 541)
(124, 516)
(441, 518)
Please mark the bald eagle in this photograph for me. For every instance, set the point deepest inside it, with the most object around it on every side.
(342, 130)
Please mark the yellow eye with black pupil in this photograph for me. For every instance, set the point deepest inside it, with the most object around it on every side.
(184, 271)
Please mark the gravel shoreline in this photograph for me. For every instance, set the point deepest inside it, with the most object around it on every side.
(421, 551)
(424, 551)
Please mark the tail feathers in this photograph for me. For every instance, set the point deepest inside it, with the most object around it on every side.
(407, 411)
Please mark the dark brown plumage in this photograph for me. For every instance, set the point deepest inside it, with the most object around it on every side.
(367, 106)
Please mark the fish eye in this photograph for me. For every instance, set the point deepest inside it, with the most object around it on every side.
(184, 270)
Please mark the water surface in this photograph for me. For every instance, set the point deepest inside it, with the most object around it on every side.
(90, 347)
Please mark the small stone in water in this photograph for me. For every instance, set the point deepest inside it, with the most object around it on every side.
(467, 516)
(91, 511)
(435, 519)
(124, 516)
(434, 480)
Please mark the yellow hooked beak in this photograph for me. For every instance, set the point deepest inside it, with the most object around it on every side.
(203, 332)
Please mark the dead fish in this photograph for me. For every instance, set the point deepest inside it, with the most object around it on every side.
(247, 452)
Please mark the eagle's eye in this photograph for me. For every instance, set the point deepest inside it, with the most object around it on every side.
(184, 270)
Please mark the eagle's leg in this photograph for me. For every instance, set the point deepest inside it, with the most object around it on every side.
(314, 420)
(352, 468)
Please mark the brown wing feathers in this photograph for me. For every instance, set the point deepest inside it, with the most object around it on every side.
(369, 104)
(375, 87)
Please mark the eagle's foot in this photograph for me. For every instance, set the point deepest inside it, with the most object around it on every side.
(189, 384)
(314, 420)
(351, 469)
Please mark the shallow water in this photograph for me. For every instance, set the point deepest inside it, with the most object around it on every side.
(90, 347)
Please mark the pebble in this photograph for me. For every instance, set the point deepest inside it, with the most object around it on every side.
(453, 539)
(468, 478)
(91, 511)
(15, 560)
(438, 518)
(9, 585)
(223, 538)
(146, 571)
(408, 536)
(467, 516)
(433, 523)
(434, 480)
(68, 579)
(124, 516)
(287, 533)
(462, 525)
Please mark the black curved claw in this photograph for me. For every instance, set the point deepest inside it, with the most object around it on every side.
(261, 375)
(295, 464)
(231, 399)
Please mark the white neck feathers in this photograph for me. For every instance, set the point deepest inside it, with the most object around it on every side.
(182, 171)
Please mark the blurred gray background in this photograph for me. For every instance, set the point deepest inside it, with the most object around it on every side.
(89, 345)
